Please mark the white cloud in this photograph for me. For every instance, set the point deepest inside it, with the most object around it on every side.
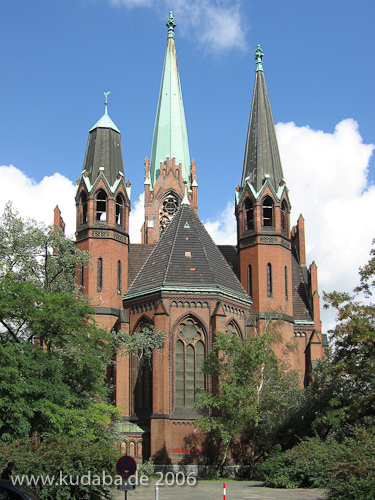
(222, 228)
(38, 199)
(327, 178)
(136, 219)
(215, 26)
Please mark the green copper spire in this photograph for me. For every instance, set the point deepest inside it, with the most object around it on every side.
(170, 134)
(262, 158)
(258, 57)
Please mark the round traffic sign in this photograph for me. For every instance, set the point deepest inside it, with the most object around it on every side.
(126, 466)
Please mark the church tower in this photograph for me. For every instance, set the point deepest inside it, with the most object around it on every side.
(271, 262)
(169, 168)
(103, 204)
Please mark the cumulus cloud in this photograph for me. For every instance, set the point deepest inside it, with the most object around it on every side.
(136, 219)
(38, 199)
(216, 26)
(222, 228)
(327, 175)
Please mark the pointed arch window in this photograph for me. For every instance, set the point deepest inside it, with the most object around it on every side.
(101, 206)
(119, 277)
(233, 329)
(100, 274)
(143, 370)
(286, 282)
(267, 212)
(250, 280)
(249, 210)
(120, 210)
(284, 217)
(269, 280)
(189, 360)
(83, 199)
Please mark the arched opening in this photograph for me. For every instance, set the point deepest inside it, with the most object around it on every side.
(101, 206)
(249, 210)
(143, 370)
(284, 217)
(286, 283)
(83, 200)
(119, 277)
(190, 350)
(250, 280)
(233, 329)
(120, 210)
(269, 280)
(100, 274)
(267, 212)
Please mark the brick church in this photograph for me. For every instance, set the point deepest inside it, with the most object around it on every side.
(178, 279)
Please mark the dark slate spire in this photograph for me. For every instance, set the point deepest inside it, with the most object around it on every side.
(104, 149)
(186, 259)
(262, 152)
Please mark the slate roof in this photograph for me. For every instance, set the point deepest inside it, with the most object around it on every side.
(103, 150)
(138, 254)
(262, 153)
(301, 303)
(186, 259)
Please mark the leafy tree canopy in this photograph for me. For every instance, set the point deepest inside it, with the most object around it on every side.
(52, 353)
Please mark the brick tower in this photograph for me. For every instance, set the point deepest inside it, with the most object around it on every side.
(271, 261)
(169, 167)
(103, 204)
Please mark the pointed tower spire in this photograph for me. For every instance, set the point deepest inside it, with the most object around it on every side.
(170, 134)
(103, 152)
(262, 159)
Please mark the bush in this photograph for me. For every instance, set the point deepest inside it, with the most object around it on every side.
(147, 469)
(62, 457)
(345, 469)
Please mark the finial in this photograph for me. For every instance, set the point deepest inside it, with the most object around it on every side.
(258, 57)
(185, 200)
(106, 101)
(171, 24)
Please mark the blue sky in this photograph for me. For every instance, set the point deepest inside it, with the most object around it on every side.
(58, 57)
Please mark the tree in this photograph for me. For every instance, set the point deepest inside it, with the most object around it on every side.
(252, 388)
(52, 354)
(353, 357)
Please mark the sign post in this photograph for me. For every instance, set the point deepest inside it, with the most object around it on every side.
(126, 467)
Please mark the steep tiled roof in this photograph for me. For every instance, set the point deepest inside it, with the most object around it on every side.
(230, 255)
(187, 259)
(301, 304)
(138, 255)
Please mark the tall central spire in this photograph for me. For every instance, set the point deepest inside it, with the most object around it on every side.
(170, 133)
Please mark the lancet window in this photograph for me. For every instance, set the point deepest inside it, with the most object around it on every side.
(83, 199)
(284, 216)
(143, 371)
(267, 212)
(269, 280)
(189, 360)
(101, 206)
(249, 210)
(120, 209)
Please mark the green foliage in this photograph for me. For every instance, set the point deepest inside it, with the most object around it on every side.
(346, 469)
(252, 390)
(140, 344)
(41, 255)
(146, 469)
(66, 456)
(52, 354)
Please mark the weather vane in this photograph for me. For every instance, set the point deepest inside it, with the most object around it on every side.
(106, 96)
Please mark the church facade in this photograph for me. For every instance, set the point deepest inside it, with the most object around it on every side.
(178, 279)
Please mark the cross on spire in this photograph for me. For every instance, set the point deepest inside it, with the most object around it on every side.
(106, 101)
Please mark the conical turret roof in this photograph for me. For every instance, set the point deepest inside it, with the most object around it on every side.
(103, 151)
(186, 259)
(170, 134)
(262, 153)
